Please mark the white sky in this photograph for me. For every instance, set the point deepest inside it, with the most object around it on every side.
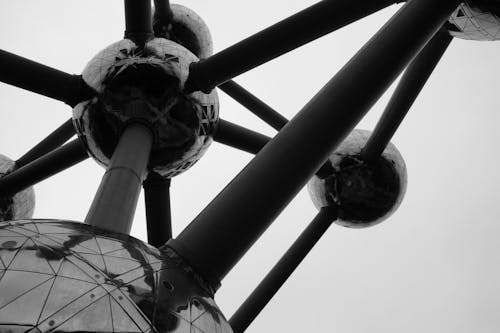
(433, 266)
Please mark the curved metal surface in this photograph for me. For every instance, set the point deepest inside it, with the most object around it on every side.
(62, 276)
(147, 85)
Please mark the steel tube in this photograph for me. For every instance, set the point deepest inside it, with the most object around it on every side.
(162, 16)
(280, 273)
(114, 204)
(158, 216)
(43, 80)
(239, 137)
(43, 167)
(280, 38)
(138, 21)
(255, 105)
(221, 234)
(407, 91)
(54, 140)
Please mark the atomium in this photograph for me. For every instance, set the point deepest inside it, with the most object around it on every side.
(146, 109)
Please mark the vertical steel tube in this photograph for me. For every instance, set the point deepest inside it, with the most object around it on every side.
(412, 82)
(163, 12)
(255, 105)
(284, 36)
(54, 140)
(221, 234)
(158, 216)
(280, 273)
(138, 21)
(114, 204)
(43, 167)
(239, 137)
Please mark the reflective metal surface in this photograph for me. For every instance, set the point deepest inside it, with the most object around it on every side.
(475, 22)
(22, 204)
(147, 85)
(365, 194)
(188, 29)
(62, 276)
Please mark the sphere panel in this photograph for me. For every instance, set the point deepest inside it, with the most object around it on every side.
(19, 206)
(61, 276)
(474, 23)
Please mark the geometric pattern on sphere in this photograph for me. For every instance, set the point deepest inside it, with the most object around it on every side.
(62, 276)
(472, 23)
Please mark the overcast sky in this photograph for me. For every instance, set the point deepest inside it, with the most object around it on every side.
(432, 266)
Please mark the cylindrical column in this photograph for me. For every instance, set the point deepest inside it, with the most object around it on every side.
(284, 36)
(138, 21)
(43, 167)
(412, 82)
(221, 234)
(163, 12)
(43, 80)
(114, 204)
(55, 139)
(280, 273)
(158, 217)
(240, 137)
(255, 105)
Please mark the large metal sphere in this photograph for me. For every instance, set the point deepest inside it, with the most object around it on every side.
(364, 193)
(476, 20)
(188, 29)
(147, 85)
(19, 206)
(62, 276)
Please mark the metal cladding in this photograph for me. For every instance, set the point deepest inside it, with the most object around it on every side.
(364, 193)
(188, 29)
(479, 21)
(63, 276)
(19, 206)
(146, 84)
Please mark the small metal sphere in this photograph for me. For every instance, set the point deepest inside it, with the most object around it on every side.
(478, 20)
(364, 193)
(63, 276)
(146, 84)
(188, 29)
(19, 206)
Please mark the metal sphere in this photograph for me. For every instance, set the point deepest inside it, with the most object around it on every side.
(476, 21)
(364, 193)
(62, 276)
(19, 206)
(188, 29)
(146, 84)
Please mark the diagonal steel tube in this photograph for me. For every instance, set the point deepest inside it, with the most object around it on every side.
(158, 216)
(43, 80)
(412, 82)
(138, 21)
(43, 167)
(54, 140)
(114, 204)
(222, 233)
(240, 137)
(255, 105)
(283, 269)
(280, 38)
